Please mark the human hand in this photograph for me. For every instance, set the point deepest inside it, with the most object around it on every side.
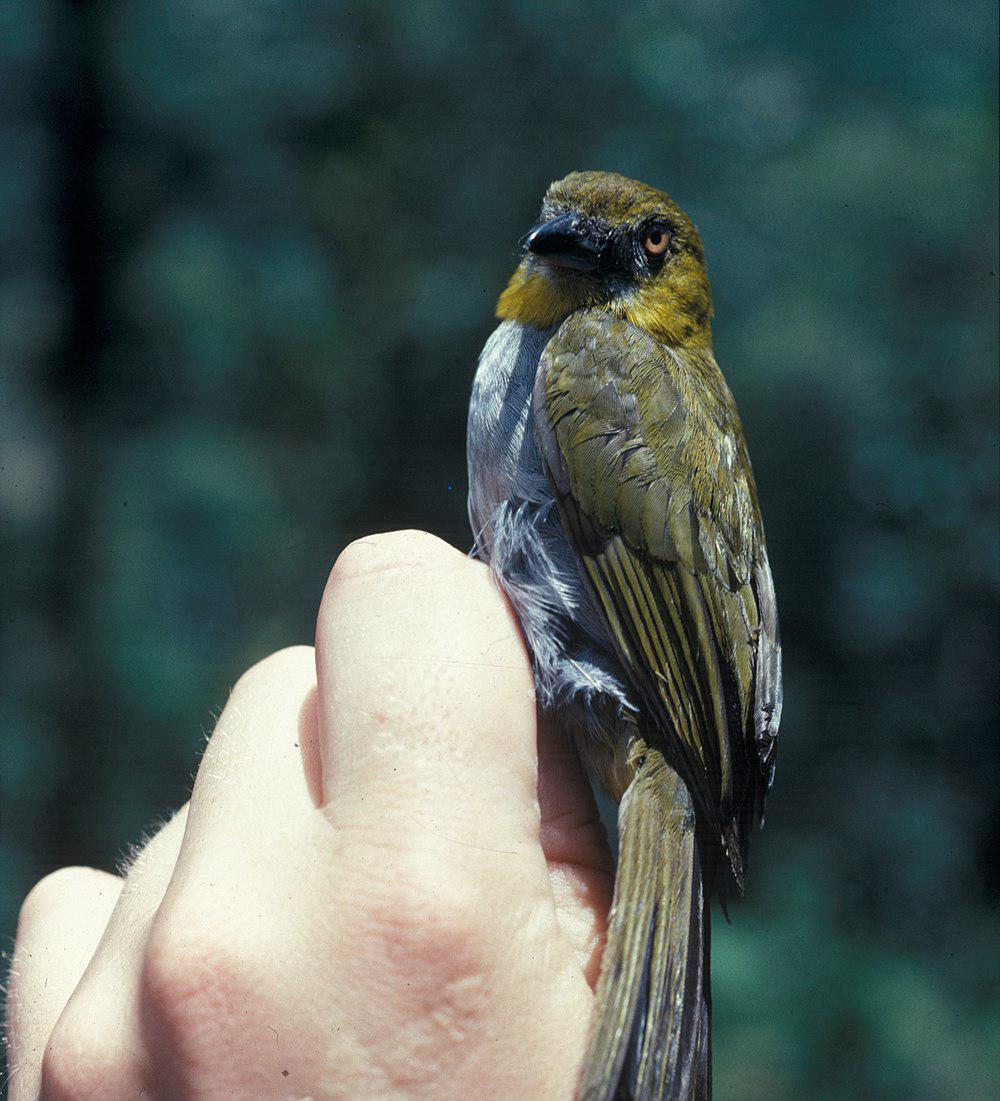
(379, 889)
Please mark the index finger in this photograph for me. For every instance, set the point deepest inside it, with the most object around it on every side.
(425, 697)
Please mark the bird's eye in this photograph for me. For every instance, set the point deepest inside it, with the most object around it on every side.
(656, 241)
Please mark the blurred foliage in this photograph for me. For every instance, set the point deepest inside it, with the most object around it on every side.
(248, 256)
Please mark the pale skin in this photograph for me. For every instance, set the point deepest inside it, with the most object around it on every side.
(390, 881)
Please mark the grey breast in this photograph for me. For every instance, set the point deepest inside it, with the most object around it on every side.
(518, 530)
(503, 459)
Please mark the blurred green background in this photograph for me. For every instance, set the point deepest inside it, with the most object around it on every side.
(248, 254)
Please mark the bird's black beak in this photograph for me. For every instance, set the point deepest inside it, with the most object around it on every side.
(566, 242)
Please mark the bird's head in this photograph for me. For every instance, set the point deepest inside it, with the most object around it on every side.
(606, 242)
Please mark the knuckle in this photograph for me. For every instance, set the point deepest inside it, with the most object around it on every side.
(577, 837)
(54, 890)
(194, 978)
(392, 550)
(398, 560)
(81, 1061)
(276, 667)
(428, 923)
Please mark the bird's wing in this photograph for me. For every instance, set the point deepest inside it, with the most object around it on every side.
(648, 463)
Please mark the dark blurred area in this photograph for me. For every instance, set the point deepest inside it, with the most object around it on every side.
(248, 255)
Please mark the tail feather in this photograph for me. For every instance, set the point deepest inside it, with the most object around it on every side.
(651, 1040)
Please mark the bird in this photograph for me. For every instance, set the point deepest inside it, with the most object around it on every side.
(611, 494)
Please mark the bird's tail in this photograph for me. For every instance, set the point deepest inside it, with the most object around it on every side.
(650, 1039)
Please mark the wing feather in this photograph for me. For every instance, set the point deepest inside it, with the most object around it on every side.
(646, 457)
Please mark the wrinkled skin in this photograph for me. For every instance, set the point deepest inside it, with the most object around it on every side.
(388, 883)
